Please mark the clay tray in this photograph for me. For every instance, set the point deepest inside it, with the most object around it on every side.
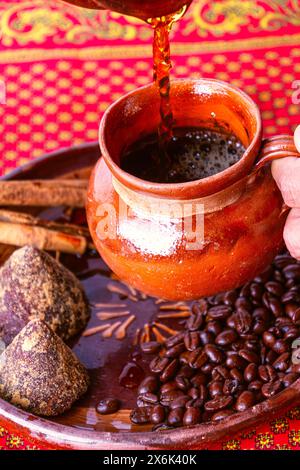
(109, 358)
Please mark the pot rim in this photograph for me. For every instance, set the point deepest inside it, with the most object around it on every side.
(191, 189)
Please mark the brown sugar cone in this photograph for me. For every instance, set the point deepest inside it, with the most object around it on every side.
(34, 285)
(39, 373)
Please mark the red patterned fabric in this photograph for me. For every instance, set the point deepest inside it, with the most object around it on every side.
(63, 66)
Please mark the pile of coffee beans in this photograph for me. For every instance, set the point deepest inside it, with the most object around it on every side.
(235, 352)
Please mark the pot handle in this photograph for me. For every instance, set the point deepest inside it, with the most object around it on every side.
(279, 146)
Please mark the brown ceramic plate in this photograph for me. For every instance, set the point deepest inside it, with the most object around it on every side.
(114, 358)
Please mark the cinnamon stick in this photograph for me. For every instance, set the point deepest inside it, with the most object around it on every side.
(42, 238)
(43, 193)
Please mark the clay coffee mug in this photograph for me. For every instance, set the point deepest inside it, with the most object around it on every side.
(143, 9)
(238, 213)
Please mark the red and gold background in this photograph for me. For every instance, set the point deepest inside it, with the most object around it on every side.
(62, 66)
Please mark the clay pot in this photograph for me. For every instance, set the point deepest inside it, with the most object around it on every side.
(238, 213)
(144, 9)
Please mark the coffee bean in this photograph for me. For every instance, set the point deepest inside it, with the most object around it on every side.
(166, 387)
(226, 337)
(195, 322)
(172, 395)
(269, 339)
(242, 321)
(182, 382)
(235, 361)
(175, 350)
(282, 362)
(192, 416)
(150, 398)
(236, 374)
(173, 340)
(267, 373)
(169, 371)
(214, 354)
(230, 298)
(256, 291)
(280, 346)
(214, 327)
(149, 384)
(249, 356)
(220, 415)
(231, 386)
(175, 417)
(250, 372)
(186, 371)
(271, 388)
(220, 312)
(157, 414)
(197, 359)
(193, 393)
(289, 379)
(108, 406)
(215, 388)
(255, 385)
(244, 304)
(141, 415)
(199, 379)
(218, 403)
(207, 368)
(158, 364)
(152, 347)
(245, 400)
(180, 402)
(292, 271)
(206, 337)
(192, 340)
(219, 373)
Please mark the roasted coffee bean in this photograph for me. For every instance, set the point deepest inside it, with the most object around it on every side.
(184, 358)
(199, 379)
(203, 392)
(215, 388)
(289, 379)
(265, 275)
(245, 400)
(271, 388)
(157, 414)
(267, 373)
(214, 354)
(290, 297)
(244, 304)
(290, 333)
(167, 397)
(175, 350)
(231, 386)
(269, 339)
(292, 271)
(219, 373)
(275, 288)
(193, 393)
(173, 340)
(242, 321)
(262, 314)
(271, 357)
(192, 416)
(169, 371)
(166, 387)
(214, 327)
(152, 347)
(141, 415)
(255, 385)
(148, 385)
(206, 337)
(197, 359)
(195, 322)
(293, 311)
(230, 298)
(219, 312)
(236, 374)
(186, 371)
(192, 340)
(207, 368)
(180, 402)
(175, 417)
(249, 356)
(150, 398)
(250, 373)
(281, 364)
(182, 382)
(280, 346)
(245, 291)
(252, 344)
(235, 361)
(200, 307)
(259, 327)
(225, 338)
(108, 406)
(220, 415)
(218, 403)
(256, 291)
(275, 306)
(158, 364)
